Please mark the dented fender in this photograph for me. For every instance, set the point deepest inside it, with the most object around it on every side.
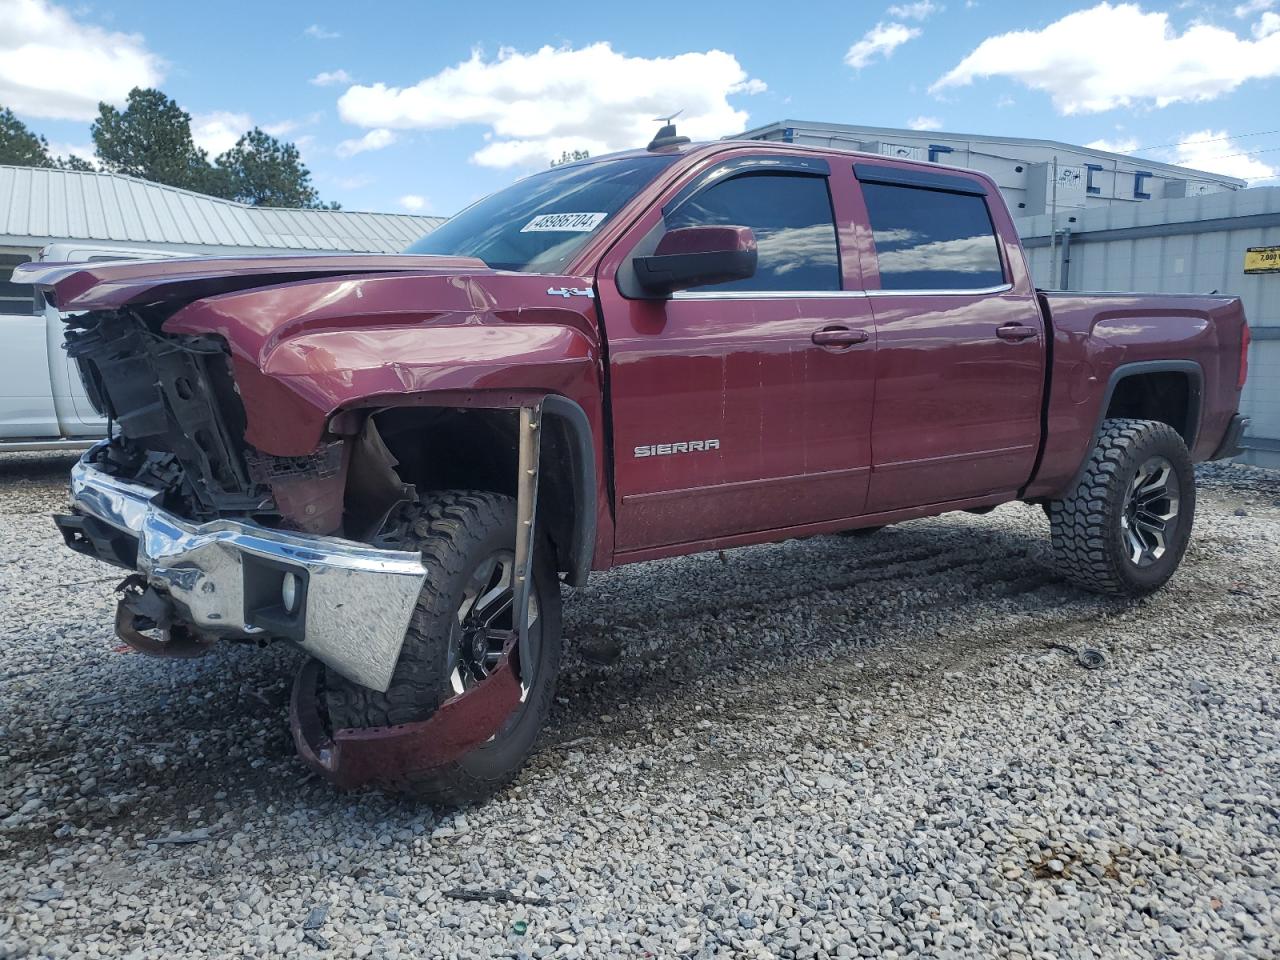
(303, 351)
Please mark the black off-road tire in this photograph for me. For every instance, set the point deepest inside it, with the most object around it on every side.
(1086, 526)
(454, 530)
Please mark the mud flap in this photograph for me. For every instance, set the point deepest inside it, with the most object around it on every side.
(355, 757)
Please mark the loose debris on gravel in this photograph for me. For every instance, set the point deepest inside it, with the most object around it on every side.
(825, 748)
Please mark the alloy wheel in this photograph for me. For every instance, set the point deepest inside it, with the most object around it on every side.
(1150, 512)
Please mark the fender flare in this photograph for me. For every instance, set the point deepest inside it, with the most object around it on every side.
(1195, 397)
(582, 469)
(1195, 394)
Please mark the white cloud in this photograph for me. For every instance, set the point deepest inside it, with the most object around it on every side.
(217, 132)
(1214, 151)
(285, 127)
(1269, 24)
(373, 140)
(1124, 145)
(880, 41)
(82, 150)
(1248, 9)
(924, 123)
(281, 129)
(537, 105)
(1117, 55)
(331, 78)
(52, 65)
(317, 32)
(413, 202)
(920, 10)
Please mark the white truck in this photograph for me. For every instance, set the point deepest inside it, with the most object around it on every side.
(43, 405)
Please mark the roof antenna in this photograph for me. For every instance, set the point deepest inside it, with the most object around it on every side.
(666, 136)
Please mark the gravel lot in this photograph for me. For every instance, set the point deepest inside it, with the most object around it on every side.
(832, 747)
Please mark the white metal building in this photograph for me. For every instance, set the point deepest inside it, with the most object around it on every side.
(1024, 169)
(1191, 245)
(39, 206)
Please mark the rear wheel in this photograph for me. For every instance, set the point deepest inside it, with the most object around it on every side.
(1126, 525)
(455, 639)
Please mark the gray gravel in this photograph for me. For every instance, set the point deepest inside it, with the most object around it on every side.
(877, 747)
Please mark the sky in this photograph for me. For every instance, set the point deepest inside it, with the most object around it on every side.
(424, 107)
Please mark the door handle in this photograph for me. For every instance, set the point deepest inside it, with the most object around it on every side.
(1016, 331)
(839, 338)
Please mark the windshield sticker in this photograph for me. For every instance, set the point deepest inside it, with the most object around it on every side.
(565, 222)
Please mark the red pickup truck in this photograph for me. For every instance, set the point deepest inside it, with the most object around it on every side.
(393, 461)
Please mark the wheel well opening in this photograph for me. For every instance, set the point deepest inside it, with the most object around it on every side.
(467, 448)
(1166, 396)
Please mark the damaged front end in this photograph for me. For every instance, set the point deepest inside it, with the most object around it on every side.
(261, 449)
(346, 603)
(232, 542)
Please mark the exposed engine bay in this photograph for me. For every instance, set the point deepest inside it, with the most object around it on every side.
(181, 428)
(180, 420)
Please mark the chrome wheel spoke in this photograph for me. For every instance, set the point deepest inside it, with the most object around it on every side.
(1150, 511)
(494, 605)
(484, 621)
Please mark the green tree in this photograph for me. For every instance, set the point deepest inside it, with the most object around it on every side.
(19, 146)
(266, 172)
(151, 139)
(72, 162)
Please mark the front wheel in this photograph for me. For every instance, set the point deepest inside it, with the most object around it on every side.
(1124, 528)
(467, 541)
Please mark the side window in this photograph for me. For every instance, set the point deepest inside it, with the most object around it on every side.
(932, 240)
(19, 298)
(792, 220)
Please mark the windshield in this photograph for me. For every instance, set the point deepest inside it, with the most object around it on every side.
(537, 224)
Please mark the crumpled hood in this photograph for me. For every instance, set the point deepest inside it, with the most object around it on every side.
(330, 323)
(311, 335)
(119, 283)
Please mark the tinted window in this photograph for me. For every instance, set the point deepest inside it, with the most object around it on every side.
(791, 218)
(539, 223)
(931, 240)
(15, 297)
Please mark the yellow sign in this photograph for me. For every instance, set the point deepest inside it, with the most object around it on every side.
(1262, 260)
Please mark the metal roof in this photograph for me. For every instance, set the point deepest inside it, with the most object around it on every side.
(40, 205)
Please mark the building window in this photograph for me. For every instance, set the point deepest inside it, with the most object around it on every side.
(1139, 179)
(1090, 169)
(932, 240)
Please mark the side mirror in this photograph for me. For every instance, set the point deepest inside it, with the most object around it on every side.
(696, 256)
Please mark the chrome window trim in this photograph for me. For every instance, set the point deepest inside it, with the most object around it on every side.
(766, 294)
(947, 292)
(833, 294)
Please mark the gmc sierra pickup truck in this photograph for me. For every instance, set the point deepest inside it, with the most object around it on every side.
(394, 461)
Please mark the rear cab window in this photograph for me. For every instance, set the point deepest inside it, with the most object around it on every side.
(932, 238)
(18, 299)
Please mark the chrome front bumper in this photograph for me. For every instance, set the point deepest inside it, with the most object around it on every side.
(224, 577)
